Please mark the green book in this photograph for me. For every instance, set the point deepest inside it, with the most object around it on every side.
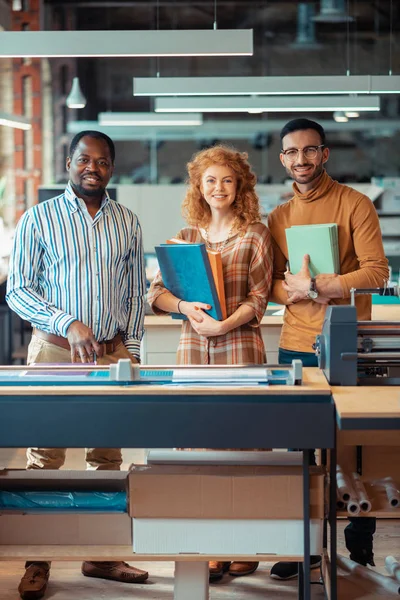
(320, 242)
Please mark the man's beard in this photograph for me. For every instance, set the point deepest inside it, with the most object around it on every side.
(97, 192)
(314, 175)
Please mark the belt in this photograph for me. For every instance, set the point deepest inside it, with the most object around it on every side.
(109, 345)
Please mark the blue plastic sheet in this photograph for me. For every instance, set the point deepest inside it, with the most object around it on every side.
(49, 501)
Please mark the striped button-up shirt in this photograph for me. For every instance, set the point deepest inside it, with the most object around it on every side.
(67, 266)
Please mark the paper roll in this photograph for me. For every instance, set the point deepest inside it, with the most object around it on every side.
(363, 500)
(384, 582)
(392, 492)
(393, 567)
(344, 490)
(353, 508)
(340, 505)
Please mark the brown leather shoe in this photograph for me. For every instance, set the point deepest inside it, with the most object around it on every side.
(217, 570)
(118, 571)
(239, 569)
(34, 583)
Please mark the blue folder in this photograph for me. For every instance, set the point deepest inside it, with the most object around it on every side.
(186, 273)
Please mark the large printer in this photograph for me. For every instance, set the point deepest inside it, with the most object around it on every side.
(361, 362)
(352, 352)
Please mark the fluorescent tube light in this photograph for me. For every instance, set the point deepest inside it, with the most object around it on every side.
(385, 84)
(149, 119)
(260, 103)
(209, 42)
(280, 86)
(14, 121)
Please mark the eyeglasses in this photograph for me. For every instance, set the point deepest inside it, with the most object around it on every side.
(309, 152)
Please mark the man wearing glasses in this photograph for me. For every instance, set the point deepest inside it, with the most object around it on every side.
(319, 199)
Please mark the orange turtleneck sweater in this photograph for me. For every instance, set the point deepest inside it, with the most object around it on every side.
(362, 258)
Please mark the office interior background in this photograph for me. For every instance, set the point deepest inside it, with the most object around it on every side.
(304, 54)
(291, 40)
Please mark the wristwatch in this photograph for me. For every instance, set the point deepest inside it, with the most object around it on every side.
(312, 292)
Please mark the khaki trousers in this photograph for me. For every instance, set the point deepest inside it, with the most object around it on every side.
(40, 351)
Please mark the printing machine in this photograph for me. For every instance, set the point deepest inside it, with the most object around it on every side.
(352, 352)
(124, 372)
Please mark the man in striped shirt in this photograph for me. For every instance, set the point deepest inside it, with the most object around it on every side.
(77, 275)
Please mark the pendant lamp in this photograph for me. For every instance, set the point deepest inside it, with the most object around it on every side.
(75, 98)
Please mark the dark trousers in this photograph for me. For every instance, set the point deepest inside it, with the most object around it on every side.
(359, 533)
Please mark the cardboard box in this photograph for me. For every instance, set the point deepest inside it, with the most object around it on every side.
(59, 480)
(108, 529)
(215, 537)
(231, 510)
(222, 492)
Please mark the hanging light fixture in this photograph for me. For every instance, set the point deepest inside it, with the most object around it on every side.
(333, 11)
(191, 42)
(149, 119)
(17, 122)
(305, 38)
(75, 98)
(352, 114)
(271, 104)
(269, 86)
(340, 117)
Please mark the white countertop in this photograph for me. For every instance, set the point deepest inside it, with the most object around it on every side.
(380, 312)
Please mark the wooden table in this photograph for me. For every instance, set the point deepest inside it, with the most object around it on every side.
(278, 416)
(368, 442)
(367, 407)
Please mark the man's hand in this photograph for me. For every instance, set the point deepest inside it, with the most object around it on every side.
(82, 342)
(208, 326)
(295, 297)
(322, 300)
(298, 285)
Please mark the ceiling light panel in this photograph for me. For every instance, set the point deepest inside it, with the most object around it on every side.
(263, 104)
(385, 84)
(17, 122)
(38, 44)
(149, 119)
(227, 129)
(245, 86)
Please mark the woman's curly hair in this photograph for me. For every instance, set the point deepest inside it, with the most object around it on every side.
(246, 206)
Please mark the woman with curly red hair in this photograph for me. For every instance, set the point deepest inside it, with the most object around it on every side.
(222, 210)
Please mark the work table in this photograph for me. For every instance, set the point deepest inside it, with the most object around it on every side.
(162, 333)
(380, 312)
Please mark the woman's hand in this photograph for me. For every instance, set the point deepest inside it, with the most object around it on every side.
(193, 310)
(208, 326)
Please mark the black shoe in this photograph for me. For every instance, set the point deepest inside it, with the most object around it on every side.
(290, 570)
(217, 570)
(363, 558)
